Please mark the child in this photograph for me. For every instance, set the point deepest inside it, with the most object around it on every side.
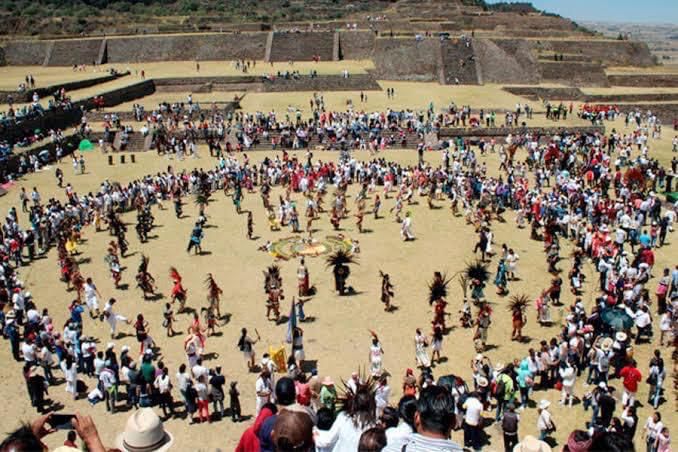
(71, 436)
(234, 396)
(325, 421)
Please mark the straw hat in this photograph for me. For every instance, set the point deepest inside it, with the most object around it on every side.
(531, 444)
(543, 404)
(482, 382)
(606, 344)
(144, 432)
(327, 381)
(499, 367)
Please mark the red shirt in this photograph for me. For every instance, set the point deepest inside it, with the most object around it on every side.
(631, 377)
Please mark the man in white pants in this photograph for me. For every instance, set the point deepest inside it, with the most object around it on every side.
(112, 318)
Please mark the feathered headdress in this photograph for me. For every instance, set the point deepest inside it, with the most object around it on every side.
(213, 290)
(352, 401)
(477, 270)
(340, 257)
(438, 288)
(273, 271)
(174, 275)
(143, 265)
(518, 303)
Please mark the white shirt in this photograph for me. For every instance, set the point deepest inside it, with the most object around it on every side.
(162, 383)
(107, 378)
(544, 420)
(343, 436)
(642, 319)
(199, 370)
(263, 386)
(381, 395)
(473, 409)
(399, 433)
(568, 376)
(28, 351)
(182, 380)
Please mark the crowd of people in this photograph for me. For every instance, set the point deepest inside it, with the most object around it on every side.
(593, 194)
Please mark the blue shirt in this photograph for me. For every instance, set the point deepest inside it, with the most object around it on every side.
(76, 314)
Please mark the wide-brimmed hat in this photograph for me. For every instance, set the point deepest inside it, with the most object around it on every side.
(499, 367)
(606, 344)
(327, 381)
(482, 382)
(144, 432)
(543, 404)
(531, 444)
(621, 336)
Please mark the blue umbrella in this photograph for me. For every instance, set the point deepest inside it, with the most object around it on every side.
(617, 319)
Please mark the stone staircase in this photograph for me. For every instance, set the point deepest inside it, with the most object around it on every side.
(458, 63)
(102, 57)
(136, 142)
(302, 46)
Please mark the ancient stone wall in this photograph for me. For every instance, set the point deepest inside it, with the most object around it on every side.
(356, 45)
(506, 60)
(614, 53)
(27, 96)
(302, 46)
(516, 21)
(74, 51)
(644, 80)
(25, 53)
(223, 46)
(573, 74)
(537, 93)
(356, 82)
(13, 132)
(121, 95)
(11, 165)
(407, 59)
(667, 113)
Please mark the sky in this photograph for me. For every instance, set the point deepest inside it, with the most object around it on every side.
(646, 11)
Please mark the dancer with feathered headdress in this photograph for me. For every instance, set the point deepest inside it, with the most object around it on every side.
(274, 290)
(517, 306)
(386, 290)
(477, 273)
(339, 261)
(178, 291)
(213, 294)
(145, 281)
(437, 293)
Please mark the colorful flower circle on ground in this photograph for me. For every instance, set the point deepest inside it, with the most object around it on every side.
(291, 247)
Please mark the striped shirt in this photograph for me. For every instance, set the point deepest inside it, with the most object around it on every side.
(418, 443)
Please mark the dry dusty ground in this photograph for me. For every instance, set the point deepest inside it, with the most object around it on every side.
(338, 337)
(11, 76)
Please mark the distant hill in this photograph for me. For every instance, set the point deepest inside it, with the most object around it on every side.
(662, 39)
(74, 17)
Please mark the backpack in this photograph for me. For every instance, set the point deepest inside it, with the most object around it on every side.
(500, 389)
